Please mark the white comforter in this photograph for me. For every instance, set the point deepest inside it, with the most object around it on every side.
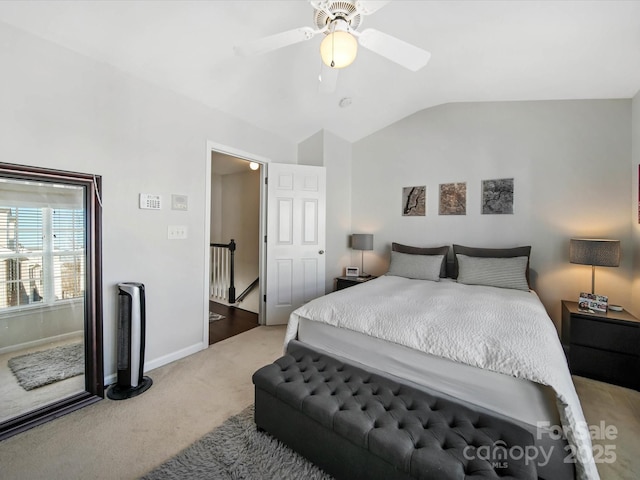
(504, 330)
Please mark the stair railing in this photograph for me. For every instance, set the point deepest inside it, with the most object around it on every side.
(247, 290)
(222, 271)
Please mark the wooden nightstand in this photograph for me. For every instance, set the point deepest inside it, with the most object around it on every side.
(602, 346)
(346, 282)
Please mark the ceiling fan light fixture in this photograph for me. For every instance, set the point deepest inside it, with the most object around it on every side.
(339, 49)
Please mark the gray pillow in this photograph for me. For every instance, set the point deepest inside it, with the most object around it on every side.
(493, 272)
(489, 252)
(420, 267)
(444, 250)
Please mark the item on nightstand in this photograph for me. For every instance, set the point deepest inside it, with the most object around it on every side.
(362, 241)
(594, 252)
(351, 272)
(588, 302)
(616, 308)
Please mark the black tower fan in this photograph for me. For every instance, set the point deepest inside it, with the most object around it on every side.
(131, 335)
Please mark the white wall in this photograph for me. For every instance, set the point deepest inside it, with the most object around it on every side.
(241, 213)
(311, 150)
(215, 234)
(337, 159)
(61, 110)
(635, 204)
(334, 153)
(38, 326)
(570, 162)
(241, 221)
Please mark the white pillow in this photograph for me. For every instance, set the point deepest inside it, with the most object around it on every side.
(493, 272)
(420, 267)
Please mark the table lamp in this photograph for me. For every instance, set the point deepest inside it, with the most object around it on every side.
(594, 252)
(362, 241)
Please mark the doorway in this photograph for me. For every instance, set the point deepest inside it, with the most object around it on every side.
(295, 230)
(235, 246)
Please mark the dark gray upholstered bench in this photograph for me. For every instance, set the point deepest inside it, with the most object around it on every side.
(355, 424)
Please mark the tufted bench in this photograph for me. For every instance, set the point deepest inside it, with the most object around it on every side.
(355, 424)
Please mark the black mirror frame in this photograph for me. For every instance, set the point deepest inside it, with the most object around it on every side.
(94, 364)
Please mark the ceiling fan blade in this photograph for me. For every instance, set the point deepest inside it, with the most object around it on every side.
(367, 7)
(394, 49)
(328, 79)
(273, 42)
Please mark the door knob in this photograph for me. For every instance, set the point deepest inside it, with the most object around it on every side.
(321, 252)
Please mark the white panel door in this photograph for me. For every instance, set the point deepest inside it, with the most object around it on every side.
(295, 238)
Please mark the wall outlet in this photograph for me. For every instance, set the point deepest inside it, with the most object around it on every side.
(177, 232)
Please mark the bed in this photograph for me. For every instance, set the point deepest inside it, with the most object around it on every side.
(482, 337)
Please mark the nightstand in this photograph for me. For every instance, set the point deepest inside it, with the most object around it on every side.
(602, 346)
(346, 282)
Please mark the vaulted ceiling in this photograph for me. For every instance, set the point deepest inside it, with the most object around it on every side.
(481, 51)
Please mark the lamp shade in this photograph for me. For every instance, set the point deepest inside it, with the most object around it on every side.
(362, 241)
(595, 252)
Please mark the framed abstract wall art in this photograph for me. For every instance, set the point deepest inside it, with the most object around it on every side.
(414, 201)
(497, 196)
(453, 199)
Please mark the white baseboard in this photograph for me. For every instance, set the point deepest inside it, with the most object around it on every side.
(172, 357)
(41, 341)
(161, 361)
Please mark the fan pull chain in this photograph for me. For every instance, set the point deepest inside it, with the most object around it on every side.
(333, 45)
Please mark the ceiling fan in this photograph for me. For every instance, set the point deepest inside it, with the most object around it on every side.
(339, 22)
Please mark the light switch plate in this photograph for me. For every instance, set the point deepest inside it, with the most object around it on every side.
(177, 232)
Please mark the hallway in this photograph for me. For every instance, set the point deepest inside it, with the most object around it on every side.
(235, 321)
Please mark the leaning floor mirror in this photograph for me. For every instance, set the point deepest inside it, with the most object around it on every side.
(50, 295)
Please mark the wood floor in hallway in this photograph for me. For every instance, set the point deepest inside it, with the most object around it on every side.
(236, 321)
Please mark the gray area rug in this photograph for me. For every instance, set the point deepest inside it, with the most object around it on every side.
(234, 451)
(37, 369)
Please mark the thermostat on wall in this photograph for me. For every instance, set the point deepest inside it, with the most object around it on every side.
(150, 201)
(179, 202)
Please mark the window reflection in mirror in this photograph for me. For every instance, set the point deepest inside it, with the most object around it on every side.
(49, 314)
(42, 253)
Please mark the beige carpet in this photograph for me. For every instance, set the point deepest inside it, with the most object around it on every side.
(126, 439)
